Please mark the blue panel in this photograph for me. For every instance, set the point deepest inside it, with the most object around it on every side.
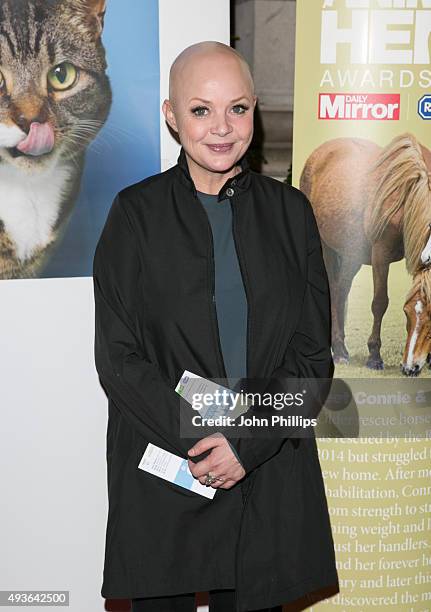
(127, 149)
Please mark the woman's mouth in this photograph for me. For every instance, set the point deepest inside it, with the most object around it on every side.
(221, 148)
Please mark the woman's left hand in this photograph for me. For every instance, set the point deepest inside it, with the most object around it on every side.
(221, 462)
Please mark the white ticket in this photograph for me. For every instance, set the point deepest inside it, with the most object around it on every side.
(230, 403)
(173, 468)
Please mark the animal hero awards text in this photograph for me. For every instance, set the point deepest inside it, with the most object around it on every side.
(369, 44)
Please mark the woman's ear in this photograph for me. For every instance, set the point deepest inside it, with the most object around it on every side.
(169, 114)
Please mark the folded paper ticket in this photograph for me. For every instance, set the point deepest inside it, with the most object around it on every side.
(221, 401)
(173, 468)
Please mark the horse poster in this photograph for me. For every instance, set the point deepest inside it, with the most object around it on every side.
(362, 156)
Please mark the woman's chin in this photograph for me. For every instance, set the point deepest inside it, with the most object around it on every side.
(222, 163)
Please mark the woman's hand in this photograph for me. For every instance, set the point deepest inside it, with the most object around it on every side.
(221, 462)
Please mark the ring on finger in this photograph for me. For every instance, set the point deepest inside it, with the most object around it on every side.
(209, 478)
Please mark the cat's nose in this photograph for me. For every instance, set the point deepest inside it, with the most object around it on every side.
(24, 121)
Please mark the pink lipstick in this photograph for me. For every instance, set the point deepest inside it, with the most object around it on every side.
(221, 148)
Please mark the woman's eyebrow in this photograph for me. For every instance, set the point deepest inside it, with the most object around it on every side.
(209, 101)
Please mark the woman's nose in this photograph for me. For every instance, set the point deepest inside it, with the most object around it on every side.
(221, 125)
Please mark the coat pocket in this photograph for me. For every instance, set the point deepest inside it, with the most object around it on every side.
(154, 484)
(170, 489)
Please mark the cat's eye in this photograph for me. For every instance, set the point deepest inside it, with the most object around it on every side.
(2, 81)
(62, 76)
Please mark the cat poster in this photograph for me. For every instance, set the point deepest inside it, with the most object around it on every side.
(79, 121)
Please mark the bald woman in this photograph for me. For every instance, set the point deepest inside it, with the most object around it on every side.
(212, 268)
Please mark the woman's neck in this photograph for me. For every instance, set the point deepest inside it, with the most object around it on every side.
(209, 182)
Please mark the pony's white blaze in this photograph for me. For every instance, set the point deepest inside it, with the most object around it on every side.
(426, 253)
(414, 336)
(10, 135)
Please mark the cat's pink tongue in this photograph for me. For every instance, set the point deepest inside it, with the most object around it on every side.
(39, 140)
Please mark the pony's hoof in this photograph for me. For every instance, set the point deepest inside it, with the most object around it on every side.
(375, 364)
(339, 359)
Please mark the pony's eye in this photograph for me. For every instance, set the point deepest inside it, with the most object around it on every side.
(63, 76)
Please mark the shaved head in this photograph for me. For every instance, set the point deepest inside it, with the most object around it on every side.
(204, 52)
(210, 107)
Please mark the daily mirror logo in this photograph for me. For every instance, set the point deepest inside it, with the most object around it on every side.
(359, 106)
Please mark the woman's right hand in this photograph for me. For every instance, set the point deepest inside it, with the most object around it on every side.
(221, 462)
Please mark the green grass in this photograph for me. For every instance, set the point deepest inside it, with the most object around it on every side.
(359, 324)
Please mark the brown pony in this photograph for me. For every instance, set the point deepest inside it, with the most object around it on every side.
(373, 206)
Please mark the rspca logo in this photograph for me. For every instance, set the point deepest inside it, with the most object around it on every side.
(424, 107)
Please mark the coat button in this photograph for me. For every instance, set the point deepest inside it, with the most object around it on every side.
(229, 192)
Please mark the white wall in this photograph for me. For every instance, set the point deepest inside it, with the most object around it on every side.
(52, 435)
(208, 20)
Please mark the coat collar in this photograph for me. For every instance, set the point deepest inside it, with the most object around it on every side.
(238, 183)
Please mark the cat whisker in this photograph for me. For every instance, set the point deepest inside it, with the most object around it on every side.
(85, 135)
(109, 127)
(92, 122)
(93, 144)
(104, 137)
(75, 140)
(93, 130)
(92, 133)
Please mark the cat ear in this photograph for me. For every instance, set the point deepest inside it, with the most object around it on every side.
(97, 9)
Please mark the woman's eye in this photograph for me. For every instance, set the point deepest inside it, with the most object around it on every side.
(199, 111)
(63, 76)
(240, 109)
(202, 111)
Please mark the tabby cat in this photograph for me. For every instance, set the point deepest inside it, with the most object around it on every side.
(54, 98)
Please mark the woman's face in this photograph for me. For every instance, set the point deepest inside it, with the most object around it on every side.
(212, 111)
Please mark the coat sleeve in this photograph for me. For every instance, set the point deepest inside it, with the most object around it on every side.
(135, 385)
(308, 354)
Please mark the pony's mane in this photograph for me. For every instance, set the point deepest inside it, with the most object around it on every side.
(422, 283)
(406, 180)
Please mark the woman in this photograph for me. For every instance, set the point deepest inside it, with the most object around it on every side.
(212, 268)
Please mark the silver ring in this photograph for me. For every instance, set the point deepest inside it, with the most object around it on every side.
(209, 479)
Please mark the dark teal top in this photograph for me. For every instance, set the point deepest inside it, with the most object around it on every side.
(230, 296)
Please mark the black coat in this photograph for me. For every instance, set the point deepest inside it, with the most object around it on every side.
(269, 536)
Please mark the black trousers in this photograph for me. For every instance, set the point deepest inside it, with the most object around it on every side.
(221, 600)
